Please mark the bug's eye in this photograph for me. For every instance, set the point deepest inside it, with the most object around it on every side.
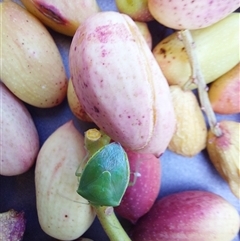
(105, 176)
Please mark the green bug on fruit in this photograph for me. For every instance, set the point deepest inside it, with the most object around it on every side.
(105, 176)
(104, 180)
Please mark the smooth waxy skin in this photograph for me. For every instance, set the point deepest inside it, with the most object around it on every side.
(187, 216)
(224, 92)
(119, 83)
(188, 14)
(19, 142)
(73, 101)
(136, 9)
(32, 67)
(224, 153)
(62, 16)
(75, 105)
(190, 136)
(62, 213)
(143, 27)
(145, 181)
(221, 39)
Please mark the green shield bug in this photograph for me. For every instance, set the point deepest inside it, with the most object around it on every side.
(105, 176)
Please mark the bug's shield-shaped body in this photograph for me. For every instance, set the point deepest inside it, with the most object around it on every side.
(105, 176)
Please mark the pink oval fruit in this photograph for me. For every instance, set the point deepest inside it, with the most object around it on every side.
(19, 142)
(145, 181)
(120, 84)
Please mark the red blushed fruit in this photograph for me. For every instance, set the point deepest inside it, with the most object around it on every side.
(143, 191)
(188, 216)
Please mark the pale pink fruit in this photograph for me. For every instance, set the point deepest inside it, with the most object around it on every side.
(19, 142)
(190, 14)
(120, 84)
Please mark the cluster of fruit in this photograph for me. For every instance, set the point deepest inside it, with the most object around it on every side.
(141, 96)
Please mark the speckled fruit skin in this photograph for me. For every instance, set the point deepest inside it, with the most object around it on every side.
(62, 213)
(187, 216)
(190, 14)
(62, 16)
(32, 66)
(120, 84)
(13, 225)
(19, 142)
(143, 192)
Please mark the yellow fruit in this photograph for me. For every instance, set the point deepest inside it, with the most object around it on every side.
(191, 130)
(62, 213)
(143, 27)
(217, 49)
(32, 66)
(224, 152)
(75, 104)
(224, 93)
(136, 9)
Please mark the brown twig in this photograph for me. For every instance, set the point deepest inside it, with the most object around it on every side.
(199, 80)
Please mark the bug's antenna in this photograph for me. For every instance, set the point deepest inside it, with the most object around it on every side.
(135, 174)
(72, 200)
(81, 166)
(135, 177)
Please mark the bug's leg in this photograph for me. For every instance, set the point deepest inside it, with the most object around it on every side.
(72, 200)
(135, 176)
(77, 173)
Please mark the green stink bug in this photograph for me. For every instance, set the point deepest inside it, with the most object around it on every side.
(105, 176)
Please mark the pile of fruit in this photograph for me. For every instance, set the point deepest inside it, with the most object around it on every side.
(133, 101)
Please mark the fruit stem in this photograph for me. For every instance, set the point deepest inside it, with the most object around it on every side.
(94, 140)
(111, 224)
(199, 80)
